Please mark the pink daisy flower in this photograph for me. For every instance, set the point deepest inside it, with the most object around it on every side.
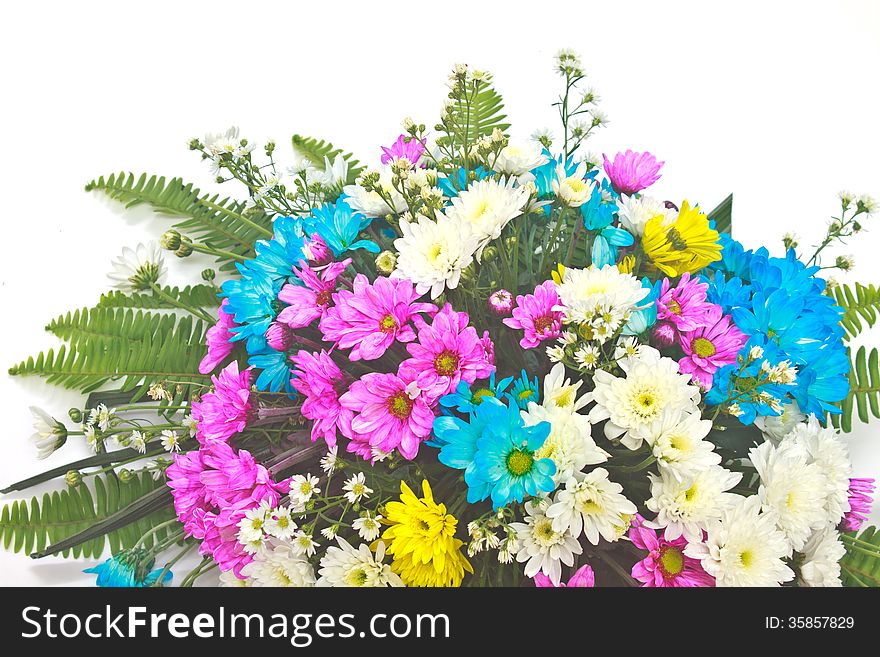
(321, 382)
(632, 172)
(224, 412)
(308, 303)
(861, 493)
(405, 146)
(231, 477)
(391, 413)
(218, 339)
(371, 317)
(583, 578)
(666, 564)
(447, 351)
(534, 314)
(684, 305)
(710, 347)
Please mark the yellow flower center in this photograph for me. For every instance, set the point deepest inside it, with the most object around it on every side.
(671, 561)
(746, 558)
(543, 323)
(434, 252)
(387, 324)
(703, 347)
(356, 577)
(544, 530)
(446, 363)
(690, 493)
(519, 462)
(674, 307)
(480, 394)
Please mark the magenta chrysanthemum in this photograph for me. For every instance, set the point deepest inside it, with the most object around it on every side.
(232, 477)
(501, 303)
(710, 347)
(632, 172)
(371, 317)
(535, 315)
(390, 413)
(321, 382)
(224, 412)
(447, 351)
(185, 480)
(664, 334)
(861, 498)
(684, 305)
(306, 304)
(584, 577)
(666, 564)
(410, 148)
(218, 339)
(316, 251)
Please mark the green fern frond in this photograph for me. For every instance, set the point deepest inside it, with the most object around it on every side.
(315, 151)
(195, 296)
(146, 348)
(860, 305)
(482, 117)
(32, 526)
(219, 223)
(864, 390)
(861, 564)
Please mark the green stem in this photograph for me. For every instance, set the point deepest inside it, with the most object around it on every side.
(159, 292)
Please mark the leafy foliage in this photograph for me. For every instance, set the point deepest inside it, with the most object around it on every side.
(861, 564)
(32, 526)
(860, 305)
(220, 223)
(481, 116)
(195, 296)
(722, 215)
(864, 390)
(315, 151)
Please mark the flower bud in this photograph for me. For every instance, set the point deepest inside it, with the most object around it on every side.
(170, 240)
(185, 249)
(125, 475)
(75, 414)
(208, 275)
(386, 262)
(501, 303)
(664, 334)
(73, 478)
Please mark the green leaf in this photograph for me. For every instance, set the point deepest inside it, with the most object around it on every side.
(315, 151)
(196, 296)
(220, 223)
(722, 215)
(864, 390)
(860, 305)
(482, 117)
(861, 564)
(58, 516)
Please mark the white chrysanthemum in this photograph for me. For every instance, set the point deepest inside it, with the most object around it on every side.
(570, 444)
(582, 291)
(831, 455)
(49, 434)
(792, 489)
(137, 270)
(541, 547)
(744, 547)
(487, 206)
(776, 427)
(561, 393)
(684, 508)
(591, 504)
(432, 254)
(636, 211)
(335, 173)
(633, 403)
(371, 203)
(519, 159)
(821, 560)
(573, 190)
(345, 566)
(229, 580)
(678, 442)
(279, 565)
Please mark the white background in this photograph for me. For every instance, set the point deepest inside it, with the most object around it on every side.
(776, 102)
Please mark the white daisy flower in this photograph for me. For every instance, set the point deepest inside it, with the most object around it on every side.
(635, 211)
(570, 444)
(303, 487)
(561, 393)
(487, 206)
(792, 489)
(519, 159)
(539, 545)
(303, 544)
(330, 460)
(279, 565)
(371, 203)
(139, 269)
(368, 525)
(574, 190)
(592, 504)
(686, 507)
(335, 173)
(582, 291)
(93, 440)
(627, 348)
(102, 416)
(345, 566)
(138, 441)
(821, 559)
(356, 488)
(49, 434)
(329, 532)
(229, 580)
(744, 547)
(191, 425)
(251, 527)
(279, 523)
(633, 403)
(432, 254)
(170, 440)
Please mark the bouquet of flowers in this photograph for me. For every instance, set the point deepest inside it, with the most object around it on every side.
(479, 362)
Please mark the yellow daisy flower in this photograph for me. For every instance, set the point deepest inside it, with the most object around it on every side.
(686, 245)
(421, 540)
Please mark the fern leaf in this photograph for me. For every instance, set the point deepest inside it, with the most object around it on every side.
(32, 526)
(196, 296)
(864, 390)
(315, 151)
(484, 115)
(860, 305)
(861, 564)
